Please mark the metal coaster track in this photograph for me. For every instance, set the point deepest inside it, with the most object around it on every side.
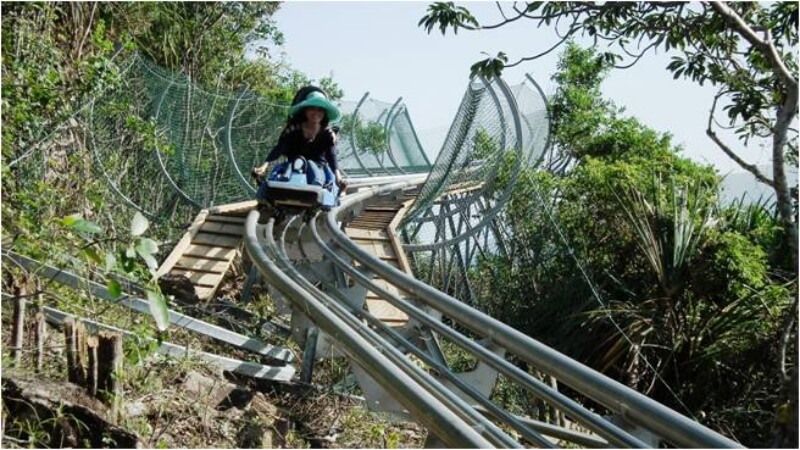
(380, 352)
(324, 276)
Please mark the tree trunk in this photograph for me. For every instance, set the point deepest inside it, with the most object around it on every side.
(786, 113)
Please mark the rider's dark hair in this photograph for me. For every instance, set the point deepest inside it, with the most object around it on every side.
(301, 95)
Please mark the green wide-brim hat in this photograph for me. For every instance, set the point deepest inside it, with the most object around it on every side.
(319, 100)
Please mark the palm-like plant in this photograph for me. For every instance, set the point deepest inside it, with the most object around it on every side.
(668, 234)
(668, 227)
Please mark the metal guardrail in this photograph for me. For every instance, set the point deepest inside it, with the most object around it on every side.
(284, 374)
(457, 431)
(631, 405)
(142, 306)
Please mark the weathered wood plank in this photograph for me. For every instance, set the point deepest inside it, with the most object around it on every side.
(225, 219)
(397, 244)
(210, 252)
(217, 240)
(223, 228)
(234, 209)
(360, 233)
(182, 245)
(384, 311)
(202, 279)
(202, 265)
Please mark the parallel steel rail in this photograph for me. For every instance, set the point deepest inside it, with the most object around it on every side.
(379, 350)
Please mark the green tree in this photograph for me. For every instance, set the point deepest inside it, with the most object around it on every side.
(625, 262)
(747, 50)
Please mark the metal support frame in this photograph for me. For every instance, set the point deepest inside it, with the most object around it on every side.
(632, 405)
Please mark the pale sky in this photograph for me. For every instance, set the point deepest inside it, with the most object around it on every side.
(378, 47)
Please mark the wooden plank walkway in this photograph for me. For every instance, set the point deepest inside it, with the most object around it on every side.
(205, 253)
(207, 249)
(374, 230)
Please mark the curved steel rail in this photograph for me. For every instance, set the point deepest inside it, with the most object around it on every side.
(375, 360)
(632, 405)
(379, 350)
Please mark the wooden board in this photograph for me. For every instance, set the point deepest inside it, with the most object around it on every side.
(234, 209)
(182, 244)
(217, 240)
(210, 252)
(202, 264)
(386, 312)
(205, 252)
(229, 229)
(361, 233)
(225, 219)
(200, 278)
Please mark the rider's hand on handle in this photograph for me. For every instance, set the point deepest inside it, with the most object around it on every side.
(259, 171)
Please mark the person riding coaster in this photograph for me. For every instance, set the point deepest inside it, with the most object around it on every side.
(310, 177)
(300, 184)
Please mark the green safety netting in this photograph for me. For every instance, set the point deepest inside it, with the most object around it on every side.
(183, 142)
(498, 131)
(377, 138)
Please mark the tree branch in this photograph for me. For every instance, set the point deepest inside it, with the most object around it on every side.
(502, 23)
(788, 324)
(767, 47)
(638, 57)
(748, 167)
(556, 45)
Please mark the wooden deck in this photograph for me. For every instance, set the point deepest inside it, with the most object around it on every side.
(374, 230)
(205, 253)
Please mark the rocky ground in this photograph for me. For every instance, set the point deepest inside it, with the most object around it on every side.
(170, 402)
(174, 403)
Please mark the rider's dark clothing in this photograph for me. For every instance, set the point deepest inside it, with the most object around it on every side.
(292, 144)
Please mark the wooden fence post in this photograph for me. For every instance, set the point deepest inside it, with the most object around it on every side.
(92, 372)
(41, 336)
(80, 352)
(109, 368)
(18, 332)
(75, 334)
(69, 339)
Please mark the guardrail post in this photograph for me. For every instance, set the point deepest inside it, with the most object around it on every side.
(309, 354)
(252, 278)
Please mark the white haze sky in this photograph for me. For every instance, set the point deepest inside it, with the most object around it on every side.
(377, 47)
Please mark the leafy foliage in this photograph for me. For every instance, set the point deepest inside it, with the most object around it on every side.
(370, 137)
(59, 56)
(747, 50)
(626, 262)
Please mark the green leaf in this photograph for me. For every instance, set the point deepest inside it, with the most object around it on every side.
(148, 258)
(70, 220)
(114, 288)
(146, 245)
(91, 253)
(145, 248)
(139, 224)
(86, 226)
(158, 308)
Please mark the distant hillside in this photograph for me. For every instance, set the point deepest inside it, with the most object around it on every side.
(737, 184)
